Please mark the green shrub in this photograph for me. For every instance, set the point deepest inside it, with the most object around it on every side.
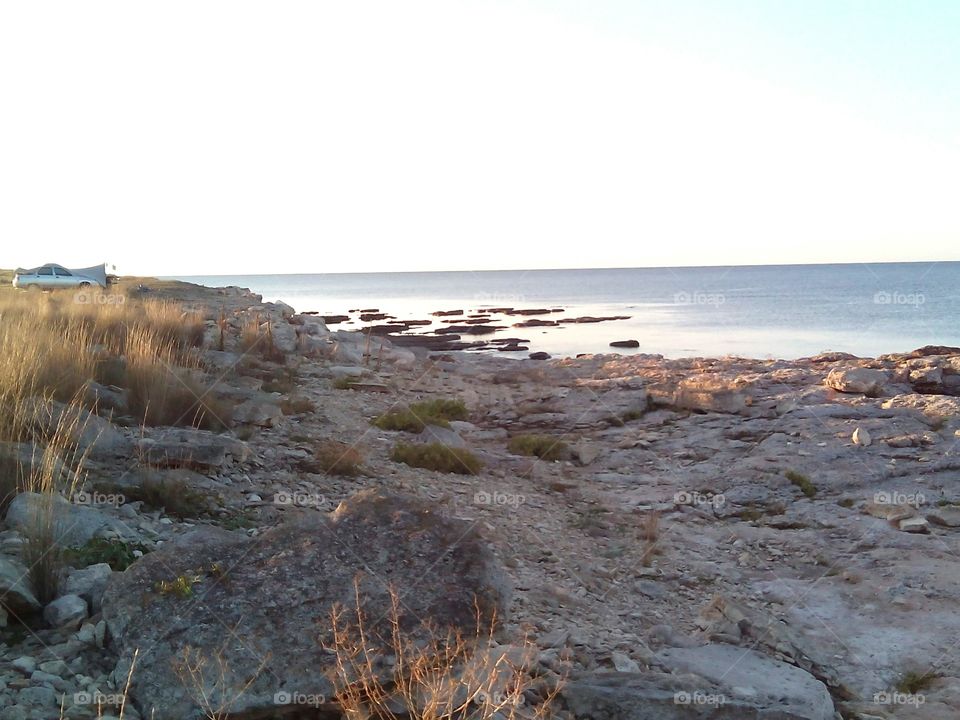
(116, 553)
(803, 482)
(544, 447)
(429, 412)
(442, 408)
(437, 456)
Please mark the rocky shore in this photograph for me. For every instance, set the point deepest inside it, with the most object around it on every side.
(699, 538)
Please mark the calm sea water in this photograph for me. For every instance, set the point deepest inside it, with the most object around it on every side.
(782, 311)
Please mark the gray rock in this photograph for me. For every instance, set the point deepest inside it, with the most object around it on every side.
(89, 432)
(276, 592)
(444, 436)
(258, 412)
(65, 611)
(186, 447)
(710, 394)
(38, 696)
(15, 593)
(89, 583)
(747, 674)
(857, 380)
(72, 524)
(25, 664)
(664, 696)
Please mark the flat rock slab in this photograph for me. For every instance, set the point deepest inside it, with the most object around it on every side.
(185, 447)
(665, 696)
(258, 609)
(747, 675)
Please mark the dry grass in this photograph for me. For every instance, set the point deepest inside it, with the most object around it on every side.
(545, 447)
(337, 458)
(437, 456)
(433, 674)
(52, 348)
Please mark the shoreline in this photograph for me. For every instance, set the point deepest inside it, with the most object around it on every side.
(682, 513)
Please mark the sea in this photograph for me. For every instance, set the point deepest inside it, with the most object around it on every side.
(763, 311)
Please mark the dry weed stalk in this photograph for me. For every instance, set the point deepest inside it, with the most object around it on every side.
(428, 674)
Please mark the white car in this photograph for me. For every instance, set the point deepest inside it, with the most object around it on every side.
(52, 277)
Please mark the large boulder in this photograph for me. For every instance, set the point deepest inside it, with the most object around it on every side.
(190, 448)
(857, 380)
(707, 393)
(87, 432)
(257, 610)
(72, 524)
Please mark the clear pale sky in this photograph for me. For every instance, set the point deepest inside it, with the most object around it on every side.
(237, 137)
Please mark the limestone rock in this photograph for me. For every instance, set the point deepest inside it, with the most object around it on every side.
(66, 611)
(187, 447)
(89, 583)
(746, 673)
(861, 437)
(276, 592)
(857, 380)
(15, 592)
(73, 524)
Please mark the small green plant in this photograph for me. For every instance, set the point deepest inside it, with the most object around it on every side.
(914, 682)
(437, 456)
(181, 586)
(238, 521)
(406, 421)
(429, 412)
(441, 408)
(545, 447)
(117, 554)
(845, 502)
(345, 383)
(803, 482)
(631, 415)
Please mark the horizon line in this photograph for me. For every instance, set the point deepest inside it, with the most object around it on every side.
(556, 269)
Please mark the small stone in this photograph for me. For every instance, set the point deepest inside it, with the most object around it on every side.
(914, 525)
(25, 664)
(624, 663)
(861, 437)
(65, 611)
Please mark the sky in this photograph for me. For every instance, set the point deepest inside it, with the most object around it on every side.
(193, 138)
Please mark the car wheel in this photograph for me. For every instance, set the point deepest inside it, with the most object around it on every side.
(84, 284)
(33, 288)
